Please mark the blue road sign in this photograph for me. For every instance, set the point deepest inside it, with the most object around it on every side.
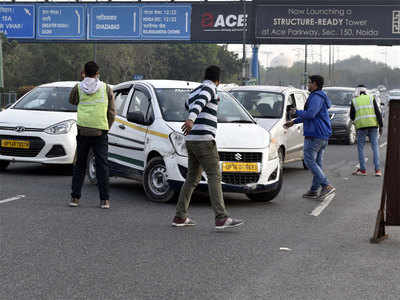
(66, 22)
(17, 21)
(138, 77)
(165, 22)
(114, 22)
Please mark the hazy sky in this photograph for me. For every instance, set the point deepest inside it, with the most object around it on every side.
(374, 53)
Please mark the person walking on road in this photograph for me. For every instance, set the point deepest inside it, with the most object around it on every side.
(367, 118)
(317, 130)
(200, 129)
(96, 114)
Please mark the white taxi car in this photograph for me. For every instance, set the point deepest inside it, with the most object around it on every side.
(146, 143)
(40, 127)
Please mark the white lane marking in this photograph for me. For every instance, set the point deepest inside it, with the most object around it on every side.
(285, 249)
(12, 199)
(324, 204)
(383, 145)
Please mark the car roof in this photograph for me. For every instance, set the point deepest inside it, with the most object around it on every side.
(162, 84)
(264, 88)
(60, 84)
(350, 89)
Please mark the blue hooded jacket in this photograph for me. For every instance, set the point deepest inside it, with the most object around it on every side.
(315, 116)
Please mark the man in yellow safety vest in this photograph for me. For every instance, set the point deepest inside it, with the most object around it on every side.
(367, 118)
(96, 113)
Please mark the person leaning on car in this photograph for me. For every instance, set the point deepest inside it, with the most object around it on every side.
(96, 114)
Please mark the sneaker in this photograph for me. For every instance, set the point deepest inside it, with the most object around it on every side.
(311, 195)
(74, 202)
(359, 172)
(326, 191)
(227, 223)
(179, 222)
(378, 173)
(105, 204)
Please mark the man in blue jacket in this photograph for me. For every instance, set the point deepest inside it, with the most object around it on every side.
(317, 130)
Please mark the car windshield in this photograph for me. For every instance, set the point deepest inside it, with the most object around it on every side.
(261, 104)
(47, 99)
(396, 93)
(340, 97)
(172, 105)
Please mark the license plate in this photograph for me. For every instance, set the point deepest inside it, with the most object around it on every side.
(15, 144)
(233, 167)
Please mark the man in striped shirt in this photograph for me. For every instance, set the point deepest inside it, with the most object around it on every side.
(200, 129)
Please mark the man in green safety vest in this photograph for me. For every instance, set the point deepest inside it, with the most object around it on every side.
(367, 118)
(96, 113)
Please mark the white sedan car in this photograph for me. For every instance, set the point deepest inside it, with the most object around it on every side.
(40, 127)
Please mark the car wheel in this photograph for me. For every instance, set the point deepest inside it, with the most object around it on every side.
(155, 181)
(351, 139)
(91, 168)
(4, 164)
(269, 196)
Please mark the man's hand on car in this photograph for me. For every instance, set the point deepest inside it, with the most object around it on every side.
(288, 124)
(187, 127)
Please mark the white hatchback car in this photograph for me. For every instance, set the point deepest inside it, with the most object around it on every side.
(146, 143)
(40, 127)
(269, 105)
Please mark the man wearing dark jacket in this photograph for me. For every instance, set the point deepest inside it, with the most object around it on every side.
(367, 118)
(317, 130)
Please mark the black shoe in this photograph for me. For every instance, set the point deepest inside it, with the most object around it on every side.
(74, 202)
(227, 223)
(311, 195)
(326, 191)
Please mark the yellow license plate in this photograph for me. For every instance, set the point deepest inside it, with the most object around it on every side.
(233, 167)
(15, 144)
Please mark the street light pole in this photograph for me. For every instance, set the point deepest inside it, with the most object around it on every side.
(305, 66)
(244, 44)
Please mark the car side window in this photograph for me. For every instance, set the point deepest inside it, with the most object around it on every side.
(300, 101)
(120, 100)
(140, 102)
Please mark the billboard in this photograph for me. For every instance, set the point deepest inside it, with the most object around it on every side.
(330, 23)
(217, 22)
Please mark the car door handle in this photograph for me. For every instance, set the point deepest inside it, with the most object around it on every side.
(121, 126)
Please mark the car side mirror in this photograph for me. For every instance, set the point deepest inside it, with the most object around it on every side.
(136, 117)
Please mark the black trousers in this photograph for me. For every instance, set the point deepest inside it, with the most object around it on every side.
(99, 146)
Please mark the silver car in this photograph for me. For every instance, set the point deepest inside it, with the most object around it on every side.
(269, 105)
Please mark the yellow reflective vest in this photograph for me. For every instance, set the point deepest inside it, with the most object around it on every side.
(92, 109)
(365, 112)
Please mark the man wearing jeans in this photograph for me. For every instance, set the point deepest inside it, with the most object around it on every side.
(367, 118)
(96, 113)
(317, 130)
(200, 129)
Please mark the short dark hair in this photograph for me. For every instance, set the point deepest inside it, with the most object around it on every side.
(91, 69)
(318, 79)
(212, 73)
(360, 85)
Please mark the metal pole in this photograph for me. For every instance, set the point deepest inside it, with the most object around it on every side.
(330, 67)
(94, 51)
(305, 66)
(1, 64)
(244, 45)
(333, 64)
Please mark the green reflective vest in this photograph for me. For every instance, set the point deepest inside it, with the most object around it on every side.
(365, 112)
(92, 109)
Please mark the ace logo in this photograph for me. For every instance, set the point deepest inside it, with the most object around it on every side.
(208, 20)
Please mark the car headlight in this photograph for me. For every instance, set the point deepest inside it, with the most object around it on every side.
(60, 128)
(178, 142)
(273, 149)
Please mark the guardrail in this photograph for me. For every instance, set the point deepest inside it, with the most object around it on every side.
(7, 98)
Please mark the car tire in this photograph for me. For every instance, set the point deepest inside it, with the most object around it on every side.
(91, 168)
(269, 196)
(352, 135)
(3, 165)
(155, 182)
